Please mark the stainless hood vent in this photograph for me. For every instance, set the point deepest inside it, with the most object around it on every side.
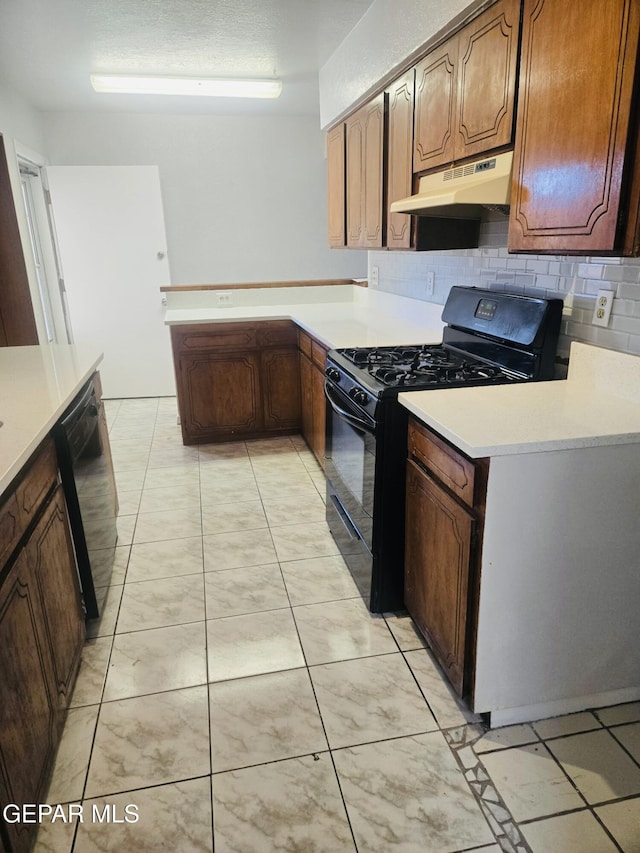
(463, 191)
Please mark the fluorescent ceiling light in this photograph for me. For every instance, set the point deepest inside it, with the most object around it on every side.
(211, 87)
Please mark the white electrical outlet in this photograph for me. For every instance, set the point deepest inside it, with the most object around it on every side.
(224, 297)
(373, 279)
(431, 283)
(602, 309)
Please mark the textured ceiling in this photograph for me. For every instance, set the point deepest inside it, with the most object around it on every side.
(48, 48)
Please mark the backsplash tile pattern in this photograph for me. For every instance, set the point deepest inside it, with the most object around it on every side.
(491, 266)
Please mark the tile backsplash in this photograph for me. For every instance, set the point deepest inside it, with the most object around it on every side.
(574, 279)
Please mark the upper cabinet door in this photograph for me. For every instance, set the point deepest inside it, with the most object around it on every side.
(336, 186)
(365, 175)
(434, 134)
(575, 102)
(487, 71)
(399, 158)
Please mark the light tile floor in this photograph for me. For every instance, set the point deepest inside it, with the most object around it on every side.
(237, 688)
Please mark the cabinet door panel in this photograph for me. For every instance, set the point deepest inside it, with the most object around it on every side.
(336, 185)
(355, 131)
(222, 395)
(434, 135)
(319, 415)
(487, 80)
(573, 124)
(437, 566)
(50, 552)
(373, 178)
(400, 153)
(281, 389)
(306, 399)
(29, 718)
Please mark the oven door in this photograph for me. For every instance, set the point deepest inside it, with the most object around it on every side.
(350, 468)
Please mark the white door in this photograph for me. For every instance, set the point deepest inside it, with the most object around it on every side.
(111, 235)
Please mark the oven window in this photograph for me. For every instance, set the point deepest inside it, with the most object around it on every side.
(353, 460)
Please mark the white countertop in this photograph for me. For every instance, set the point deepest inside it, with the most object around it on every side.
(37, 384)
(597, 404)
(339, 316)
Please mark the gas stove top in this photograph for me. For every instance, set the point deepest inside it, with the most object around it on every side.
(423, 366)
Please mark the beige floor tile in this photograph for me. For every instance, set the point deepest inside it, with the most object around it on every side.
(153, 560)
(157, 660)
(247, 590)
(287, 805)
(623, 822)
(506, 737)
(72, 759)
(161, 602)
(568, 725)
(238, 549)
(291, 510)
(530, 782)
(127, 481)
(341, 630)
(173, 475)
(224, 518)
(318, 579)
(627, 713)
(92, 672)
(227, 490)
(239, 646)
(129, 502)
(170, 497)
(303, 541)
(629, 737)
(176, 817)
(168, 524)
(573, 833)
(409, 794)
(370, 699)
(105, 624)
(405, 632)
(126, 526)
(225, 450)
(150, 740)
(448, 710)
(56, 837)
(599, 767)
(264, 718)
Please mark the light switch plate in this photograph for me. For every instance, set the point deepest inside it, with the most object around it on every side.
(602, 309)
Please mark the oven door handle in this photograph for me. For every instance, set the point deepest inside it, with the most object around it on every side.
(349, 417)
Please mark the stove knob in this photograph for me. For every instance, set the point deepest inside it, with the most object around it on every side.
(358, 396)
(333, 373)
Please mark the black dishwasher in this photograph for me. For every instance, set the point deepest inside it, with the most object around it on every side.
(89, 487)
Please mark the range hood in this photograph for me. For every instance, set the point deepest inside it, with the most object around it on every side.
(462, 192)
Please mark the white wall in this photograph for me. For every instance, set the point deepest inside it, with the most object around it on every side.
(389, 34)
(244, 197)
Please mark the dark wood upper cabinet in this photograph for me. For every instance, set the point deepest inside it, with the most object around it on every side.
(17, 320)
(465, 90)
(336, 185)
(399, 159)
(365, 144)
(574, 186)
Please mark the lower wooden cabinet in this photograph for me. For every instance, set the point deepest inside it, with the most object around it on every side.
(41, 636)
(313, 355)
(444, 507)
(236, 380)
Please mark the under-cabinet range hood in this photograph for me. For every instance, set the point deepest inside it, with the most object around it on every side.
(462, 192)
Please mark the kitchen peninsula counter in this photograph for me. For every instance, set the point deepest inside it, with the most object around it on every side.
(338, 316)
(558, 591)
(598, 404)
(37, 383)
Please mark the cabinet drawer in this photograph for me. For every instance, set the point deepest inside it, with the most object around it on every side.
(230, 336)
(276, 334)
(22, 505)
(452, 469)
(318, 354)
(304, 343)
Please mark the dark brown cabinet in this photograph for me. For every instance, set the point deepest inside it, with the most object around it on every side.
(399, 159)
(312, 356)
(465, 90)
(365, 131)
(236, 380)
(336, 186)
(41, 635)
(574, 187)
(444, 508)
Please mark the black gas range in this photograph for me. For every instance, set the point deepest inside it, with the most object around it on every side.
(489, 338)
